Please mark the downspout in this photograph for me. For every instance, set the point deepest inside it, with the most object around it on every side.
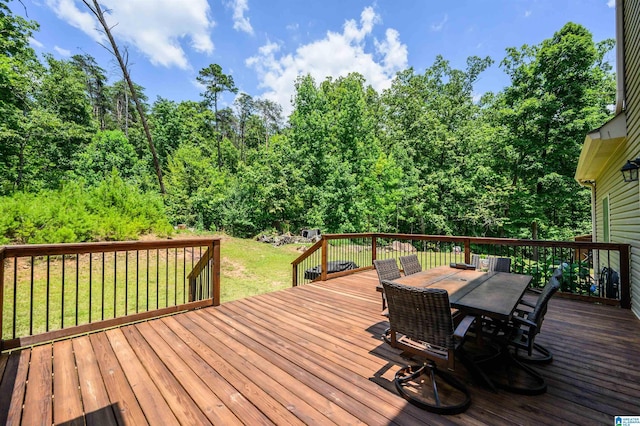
(620, 77)
(594, 228)
(594, 223)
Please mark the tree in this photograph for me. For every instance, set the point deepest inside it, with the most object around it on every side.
(435, 130)
(559, 90)
(245, 107)
(19, 73)
(95, 8)
(96, 83)
(109, 151)
(215, 83)
(271, 114)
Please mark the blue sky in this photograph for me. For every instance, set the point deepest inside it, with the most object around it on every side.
(265, 44)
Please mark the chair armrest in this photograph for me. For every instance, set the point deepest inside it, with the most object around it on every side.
(526, 303)
(463, 326)
(523, 321)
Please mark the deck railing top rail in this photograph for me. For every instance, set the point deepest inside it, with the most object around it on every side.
(99, 247)
(481, 240)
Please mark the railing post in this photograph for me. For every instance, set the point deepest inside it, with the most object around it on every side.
(2, 257)
(467, 250)
(215, 276)
(374, 247)
(295, 275)
(625, 275)
(323, 273)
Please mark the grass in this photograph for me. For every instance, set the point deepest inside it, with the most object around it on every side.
(249, 267)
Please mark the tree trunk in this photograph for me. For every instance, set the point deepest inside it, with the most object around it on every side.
(97, 11)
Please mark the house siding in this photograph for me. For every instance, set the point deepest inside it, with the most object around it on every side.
(624, 197)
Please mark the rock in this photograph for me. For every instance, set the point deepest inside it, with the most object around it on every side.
(405, 247)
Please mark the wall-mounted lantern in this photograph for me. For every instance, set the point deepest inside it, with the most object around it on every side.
(630, 170)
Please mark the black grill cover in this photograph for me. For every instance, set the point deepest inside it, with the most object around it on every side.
(332, 266)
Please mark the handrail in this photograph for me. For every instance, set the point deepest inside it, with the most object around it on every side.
(100, 247)
(308, 252)
(536, 246)
(110, 283)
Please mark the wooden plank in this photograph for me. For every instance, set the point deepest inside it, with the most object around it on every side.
(95, 400)
(67, 403)
(180, 401)
(203, 366)
(368, 347)
(38, 408)
(153, 405)
(328, 399)
(334, 359)
(278, 384)
(3, 362)
(123, 400)
(193, 375)
(308, 355)
(13, 386)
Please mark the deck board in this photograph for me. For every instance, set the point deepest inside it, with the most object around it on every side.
(67, 406)
(306, 355)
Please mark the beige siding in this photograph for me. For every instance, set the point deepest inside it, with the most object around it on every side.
(624, 198)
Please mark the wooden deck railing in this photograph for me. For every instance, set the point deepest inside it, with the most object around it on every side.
(49, 291)
(598, 272)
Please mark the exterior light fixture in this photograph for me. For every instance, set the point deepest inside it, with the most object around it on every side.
(630, 170)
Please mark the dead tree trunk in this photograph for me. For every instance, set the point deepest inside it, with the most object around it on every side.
(97, 11)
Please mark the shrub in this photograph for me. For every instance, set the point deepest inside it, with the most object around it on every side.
(114, 210)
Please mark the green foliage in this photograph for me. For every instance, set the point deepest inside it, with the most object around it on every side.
(108, 151)
(549, 107)
(425, 156)
(113, 210)
(195, 188)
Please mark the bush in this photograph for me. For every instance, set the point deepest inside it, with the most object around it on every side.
(114, 210)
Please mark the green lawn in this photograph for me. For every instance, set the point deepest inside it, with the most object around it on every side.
(249, 267)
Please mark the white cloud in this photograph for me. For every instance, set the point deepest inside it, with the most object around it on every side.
(336, 55)
(62, 52)
(241, 22)
(159, 35)
(82, 18)
(440, 25)
(35, 43)
(611, 3)
(527, 13)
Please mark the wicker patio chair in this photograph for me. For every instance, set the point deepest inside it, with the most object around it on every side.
(422, 326)
(520, 334)
(475, 260)
(410, 264)
(387, 269)
(527, 323)
(499, 264)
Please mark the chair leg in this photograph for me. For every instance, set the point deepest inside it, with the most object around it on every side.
(542, 355)
(511, 367)
(411, 373)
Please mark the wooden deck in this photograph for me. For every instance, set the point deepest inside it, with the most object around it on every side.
(305, 355)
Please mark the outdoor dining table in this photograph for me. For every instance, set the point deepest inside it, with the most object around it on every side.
(491, 294)
(482, 294)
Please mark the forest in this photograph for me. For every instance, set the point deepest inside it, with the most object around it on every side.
(425, 156)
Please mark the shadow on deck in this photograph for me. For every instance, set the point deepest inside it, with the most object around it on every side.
(305, 355)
